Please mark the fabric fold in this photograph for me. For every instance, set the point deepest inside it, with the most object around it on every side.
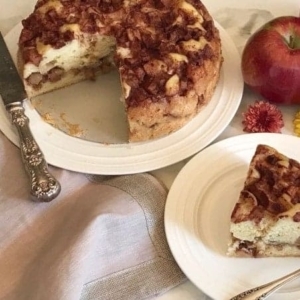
(100, 239)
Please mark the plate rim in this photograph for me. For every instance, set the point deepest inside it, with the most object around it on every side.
(176, 192)
(117, 159)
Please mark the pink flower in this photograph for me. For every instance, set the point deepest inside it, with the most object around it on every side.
(262, 117)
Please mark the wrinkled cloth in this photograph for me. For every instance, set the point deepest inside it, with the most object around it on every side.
(102, 238)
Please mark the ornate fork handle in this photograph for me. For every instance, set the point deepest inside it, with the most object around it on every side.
(264, 291)
(44, 187)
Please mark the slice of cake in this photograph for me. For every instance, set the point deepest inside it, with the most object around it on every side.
(168, 53)
(266, 219)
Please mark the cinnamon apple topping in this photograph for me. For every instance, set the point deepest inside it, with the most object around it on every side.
(160, 43)
(272, 186)
(168, 54)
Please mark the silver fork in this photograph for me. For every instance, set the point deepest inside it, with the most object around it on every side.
(264, 291)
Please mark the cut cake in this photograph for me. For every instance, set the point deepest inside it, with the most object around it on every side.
(266, 219)
(167, 52)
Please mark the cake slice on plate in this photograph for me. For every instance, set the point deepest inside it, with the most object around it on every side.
(266, 219)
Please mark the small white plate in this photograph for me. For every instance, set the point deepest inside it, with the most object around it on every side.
(93, 112)
(197, 219)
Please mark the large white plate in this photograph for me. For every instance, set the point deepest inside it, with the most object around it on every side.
(197, 218)
(94, 110)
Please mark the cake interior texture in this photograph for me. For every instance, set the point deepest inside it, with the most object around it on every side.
(265, 220)
(168, 54)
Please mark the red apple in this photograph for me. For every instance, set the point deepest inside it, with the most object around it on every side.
(271, 60)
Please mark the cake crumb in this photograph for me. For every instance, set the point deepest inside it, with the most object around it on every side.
(73, 129)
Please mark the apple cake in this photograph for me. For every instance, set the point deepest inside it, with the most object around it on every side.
(266, 219)
(167, 52)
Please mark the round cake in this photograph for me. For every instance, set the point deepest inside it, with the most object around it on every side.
(167, 52)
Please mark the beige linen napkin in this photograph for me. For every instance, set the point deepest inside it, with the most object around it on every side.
(97, 240)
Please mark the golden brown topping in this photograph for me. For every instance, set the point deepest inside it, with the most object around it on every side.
(161, 43)
(272, 184)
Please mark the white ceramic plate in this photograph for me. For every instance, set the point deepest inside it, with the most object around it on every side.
(197, 218)
(93, 111)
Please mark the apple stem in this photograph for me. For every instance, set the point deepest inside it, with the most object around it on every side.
(294, 42)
